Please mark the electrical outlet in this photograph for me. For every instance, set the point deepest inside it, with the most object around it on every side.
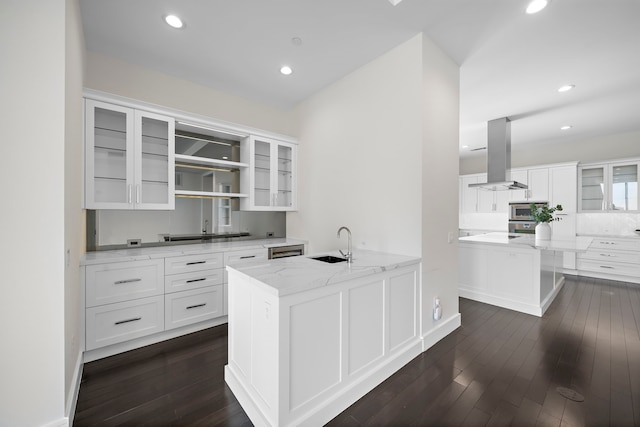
(450, 237)
(270, 233)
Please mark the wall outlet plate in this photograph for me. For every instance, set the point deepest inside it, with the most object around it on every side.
(134, 243)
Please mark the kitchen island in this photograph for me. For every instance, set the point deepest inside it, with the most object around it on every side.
(518, 272)
(308, 338)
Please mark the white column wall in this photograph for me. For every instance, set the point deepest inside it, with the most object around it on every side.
(32, 158)
(74, 216)
(440, 123)
(360, 158)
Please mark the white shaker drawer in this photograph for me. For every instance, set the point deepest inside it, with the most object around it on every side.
(615, 244)
(121, 281)
(185, 308)
(123, 321)
(240, 257)
(609, 268)
(245, 256)
(194, 280)
(611, 256)
(189, 263)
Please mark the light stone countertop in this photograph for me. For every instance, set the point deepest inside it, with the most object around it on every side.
(578, 244)
(288, 276)
(137, 254)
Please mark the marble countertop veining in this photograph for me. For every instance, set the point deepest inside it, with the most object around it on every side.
(287, 276)
(137, 254)
(577, 244)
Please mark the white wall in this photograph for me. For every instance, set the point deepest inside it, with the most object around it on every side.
(360, 158)
(32, 158)
(117, 77)
(608, 147)
(440, 141)
(74, 217)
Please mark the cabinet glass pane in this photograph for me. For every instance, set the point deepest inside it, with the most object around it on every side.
(593, 189)
(262, 184)
(155, 161)
(285, 176)
(624, 192)
(110, 156)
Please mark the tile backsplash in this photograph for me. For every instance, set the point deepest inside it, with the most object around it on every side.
(608, 224)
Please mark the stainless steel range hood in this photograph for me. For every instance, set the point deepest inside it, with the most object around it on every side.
(499, 158)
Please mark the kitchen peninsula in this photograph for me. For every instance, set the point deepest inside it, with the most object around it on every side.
(307, 338)
(518, 272)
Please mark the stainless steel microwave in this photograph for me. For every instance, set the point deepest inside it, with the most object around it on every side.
(521, 211)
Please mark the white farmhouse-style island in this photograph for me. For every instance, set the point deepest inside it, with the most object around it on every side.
(514, 271)
(308, 338)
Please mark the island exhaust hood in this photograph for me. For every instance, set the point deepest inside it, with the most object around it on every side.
(499, 158)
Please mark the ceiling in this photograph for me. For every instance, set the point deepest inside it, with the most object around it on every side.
(511, 63)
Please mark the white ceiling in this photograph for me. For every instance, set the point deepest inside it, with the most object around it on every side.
(511, 63)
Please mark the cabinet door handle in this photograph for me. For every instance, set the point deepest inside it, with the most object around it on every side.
(196, 280)
(138, 193)
(129, 190)
(135, 319)
(120, 282)
(247, 256)
(196, 262)
(196, 306)
(607, 266)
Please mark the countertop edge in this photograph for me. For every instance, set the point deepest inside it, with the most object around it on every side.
(141, 254)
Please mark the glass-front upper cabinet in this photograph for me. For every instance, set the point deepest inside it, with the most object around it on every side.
(270, 180)
(129, 158)
(609, 187)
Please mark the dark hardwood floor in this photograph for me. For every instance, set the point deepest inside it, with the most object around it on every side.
(500, 368)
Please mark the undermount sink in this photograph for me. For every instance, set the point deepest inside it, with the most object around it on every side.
(329, 258)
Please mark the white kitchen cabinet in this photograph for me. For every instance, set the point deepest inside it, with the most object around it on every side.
(536, 179)
(197, 305)
(612, 258)
(270, 179)
(478, 200)
(129, 158)
(609, 186)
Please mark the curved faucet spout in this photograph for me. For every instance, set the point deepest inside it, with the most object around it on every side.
(349, 254)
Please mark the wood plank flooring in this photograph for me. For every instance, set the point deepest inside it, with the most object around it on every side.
(500, 368)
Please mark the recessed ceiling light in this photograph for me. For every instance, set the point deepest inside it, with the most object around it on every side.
(536, 6)
(465, 146)
(297, 41)
(394, 2)
(566, 88)
(286, 70)
(567, 127)
(173, 21)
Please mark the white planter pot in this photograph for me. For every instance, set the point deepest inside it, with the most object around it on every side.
(543, 231)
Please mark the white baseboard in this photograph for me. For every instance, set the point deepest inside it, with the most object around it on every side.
(62, 422)
(431, 337)
(74, 390)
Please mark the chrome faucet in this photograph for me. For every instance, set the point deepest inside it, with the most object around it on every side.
(349, 254)
(204, 228)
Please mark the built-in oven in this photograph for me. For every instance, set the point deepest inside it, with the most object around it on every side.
(520, 219)
(286, 251)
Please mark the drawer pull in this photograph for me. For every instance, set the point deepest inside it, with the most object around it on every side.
(247, 256)
(608, 255)
(607, 266)
(196, 262)
(196, 280)
(120, 282)
(196, 306)
(608, 243)
(135, 319)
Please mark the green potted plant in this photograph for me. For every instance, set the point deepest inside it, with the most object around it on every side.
(543, 216)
